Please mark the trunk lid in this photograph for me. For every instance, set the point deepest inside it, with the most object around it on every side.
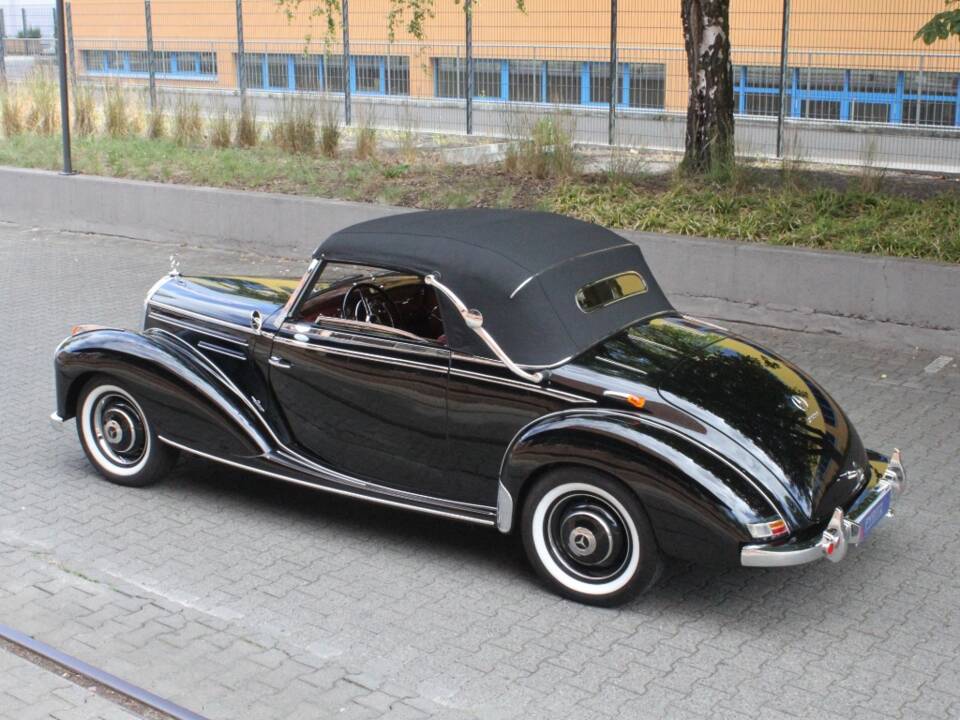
(776, 412)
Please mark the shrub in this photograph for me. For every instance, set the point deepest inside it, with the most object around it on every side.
(84, 112)
(43, 106)
(117, 110)
(330, 131)
(546, 151)
(295, 128)
(248, 132)
(31, 33)
(366, 143)
(157, 121)
(187, 121)
(11, 112)
(221, 131)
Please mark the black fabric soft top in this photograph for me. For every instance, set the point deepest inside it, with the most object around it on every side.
(521, 269)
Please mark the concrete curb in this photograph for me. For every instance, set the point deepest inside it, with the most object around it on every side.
(923, 295)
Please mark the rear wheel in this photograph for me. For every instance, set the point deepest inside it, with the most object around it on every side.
(116, 436)
(589, 538)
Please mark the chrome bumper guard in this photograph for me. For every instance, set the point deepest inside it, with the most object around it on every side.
(56, 420)
(843, 530)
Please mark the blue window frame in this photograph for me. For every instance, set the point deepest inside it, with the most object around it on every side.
(136, 63)
(877, 96)
(367, 74)
(566, 82)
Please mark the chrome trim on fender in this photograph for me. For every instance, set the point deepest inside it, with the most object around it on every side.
(844, 529)
(326, 488)
(56, 420)
(203, 318)
(197, 329)
(204, 345)
(536, 377)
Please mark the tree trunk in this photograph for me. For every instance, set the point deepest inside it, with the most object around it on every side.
(706, 36)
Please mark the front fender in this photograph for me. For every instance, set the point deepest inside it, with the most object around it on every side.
(181, 392)
(698, 503)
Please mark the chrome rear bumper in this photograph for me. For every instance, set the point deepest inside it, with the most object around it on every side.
(844, 529)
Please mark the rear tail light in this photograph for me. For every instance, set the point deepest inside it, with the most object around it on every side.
(769, 530)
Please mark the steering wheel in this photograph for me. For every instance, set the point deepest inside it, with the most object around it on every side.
(365, 302)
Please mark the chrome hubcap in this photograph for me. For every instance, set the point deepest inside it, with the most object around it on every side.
(587, 536)
(120, 429)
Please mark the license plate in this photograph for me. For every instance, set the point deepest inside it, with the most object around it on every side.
(875, 514)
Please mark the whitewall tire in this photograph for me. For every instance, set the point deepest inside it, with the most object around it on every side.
(588, 537)
(116, 436)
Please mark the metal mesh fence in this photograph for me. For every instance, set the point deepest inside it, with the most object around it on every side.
(858, 88)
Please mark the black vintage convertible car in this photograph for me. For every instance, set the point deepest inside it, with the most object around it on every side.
(573, 404)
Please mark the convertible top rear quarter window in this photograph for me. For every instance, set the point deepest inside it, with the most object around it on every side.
(609, 290)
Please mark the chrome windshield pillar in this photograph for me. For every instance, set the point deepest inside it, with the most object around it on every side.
(474, 322)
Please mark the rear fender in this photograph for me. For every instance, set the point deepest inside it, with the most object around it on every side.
(697, 502)
(181, 392)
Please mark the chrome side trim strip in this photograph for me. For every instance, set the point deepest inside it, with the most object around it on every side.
(325, 488)
(361, 355)
(204, 318)
(204, 345)
(194, 328)
(417, 347)
(560, 394)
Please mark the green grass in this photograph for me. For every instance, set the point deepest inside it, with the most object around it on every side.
(848, 218)
(859, 214)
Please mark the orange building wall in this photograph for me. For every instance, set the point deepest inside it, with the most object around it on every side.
(823, 33)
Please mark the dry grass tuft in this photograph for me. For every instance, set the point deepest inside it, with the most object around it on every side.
(187, 121)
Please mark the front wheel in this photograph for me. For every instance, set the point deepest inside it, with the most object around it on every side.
(116, 436)
(589, 538)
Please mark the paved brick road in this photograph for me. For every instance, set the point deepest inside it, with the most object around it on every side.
(240, 598)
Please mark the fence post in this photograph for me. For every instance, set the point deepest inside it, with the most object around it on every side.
(784, 53)
(56, 32)
(3, 51)
(612, 119)
(468, 12)
(151, 64)
(71, 53)
(241, 60)
(64, 95)
(346, 62)
(23, 17)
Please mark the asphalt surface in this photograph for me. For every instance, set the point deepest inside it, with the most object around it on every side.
(241, 598)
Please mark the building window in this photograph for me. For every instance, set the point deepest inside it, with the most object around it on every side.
(367, 72)
(648, 85)
(398, 75)
(525, 80)
(253, 71)
(563, 82)
(277, 72)
(136, 63)
(486, 79)
(600, 83)
(931, 98)
(451, 78)
(306, 73)
(333, 74)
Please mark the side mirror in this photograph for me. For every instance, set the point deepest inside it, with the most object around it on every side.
(473, 318)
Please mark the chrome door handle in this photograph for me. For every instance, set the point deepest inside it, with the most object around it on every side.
(279, 362)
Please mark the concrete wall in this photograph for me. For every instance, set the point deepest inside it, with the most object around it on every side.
(922, 295)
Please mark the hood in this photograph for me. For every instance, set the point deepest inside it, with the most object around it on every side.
(763, 403)
(230, 298)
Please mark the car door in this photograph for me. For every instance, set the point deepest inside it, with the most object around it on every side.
(364, 402)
